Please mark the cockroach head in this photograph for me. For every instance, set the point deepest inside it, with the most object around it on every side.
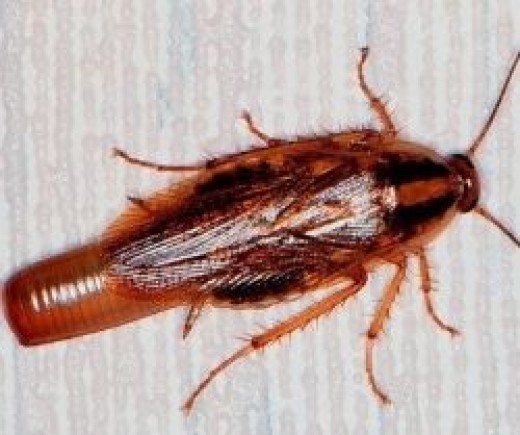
(463, 166)
(462, 163)
(469, 181)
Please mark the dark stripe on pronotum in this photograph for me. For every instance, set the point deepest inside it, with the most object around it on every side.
(408, 216)
(399, 171)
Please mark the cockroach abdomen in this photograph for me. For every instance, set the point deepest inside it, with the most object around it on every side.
(67, 296)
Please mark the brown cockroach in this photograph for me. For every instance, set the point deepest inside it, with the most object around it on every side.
(261, 227)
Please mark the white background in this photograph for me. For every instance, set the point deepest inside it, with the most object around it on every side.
(166, 80)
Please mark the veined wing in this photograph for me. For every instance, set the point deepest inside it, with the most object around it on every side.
(267, 234)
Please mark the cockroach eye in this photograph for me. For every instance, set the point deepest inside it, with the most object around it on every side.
(470, 183)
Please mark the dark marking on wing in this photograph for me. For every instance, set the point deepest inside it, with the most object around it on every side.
(252, 289)
(262, 173)
(400, 171)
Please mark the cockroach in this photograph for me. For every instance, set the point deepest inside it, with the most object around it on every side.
(261, 227)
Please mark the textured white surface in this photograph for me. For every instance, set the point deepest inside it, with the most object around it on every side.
(166, 81)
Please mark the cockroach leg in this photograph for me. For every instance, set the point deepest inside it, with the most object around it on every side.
(375, 103)
(151, 165)
(377, 324)
(426, 285)
(193, 314)
(253, 129)
(297, 321)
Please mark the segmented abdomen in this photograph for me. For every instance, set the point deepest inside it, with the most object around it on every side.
(67, 296)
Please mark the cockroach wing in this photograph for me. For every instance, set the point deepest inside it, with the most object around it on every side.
(254, 231)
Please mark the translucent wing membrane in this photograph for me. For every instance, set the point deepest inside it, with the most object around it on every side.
(266, 245)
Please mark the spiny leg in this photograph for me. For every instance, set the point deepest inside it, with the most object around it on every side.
(297, 321)
(382, 313)
(151, 165)
(193, 314)
(375, 103)
(426, 285)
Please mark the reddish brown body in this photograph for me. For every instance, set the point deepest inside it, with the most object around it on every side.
(258, 228)
(65, 297)
(81, 292)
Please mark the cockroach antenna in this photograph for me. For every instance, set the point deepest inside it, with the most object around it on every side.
(479, 209)
(478, 140)
(482, 211)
